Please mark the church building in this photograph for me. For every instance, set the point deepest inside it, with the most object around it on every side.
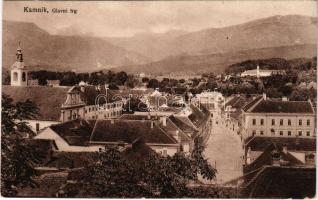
(19, 72)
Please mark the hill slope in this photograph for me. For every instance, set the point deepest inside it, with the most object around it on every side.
(217, 63)
(274, 31)
(81, 53)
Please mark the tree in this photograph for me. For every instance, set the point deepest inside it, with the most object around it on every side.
(121, 77)
(145, 79)
(156, 176)
(16, 156)
(113, 86)
(153, 83)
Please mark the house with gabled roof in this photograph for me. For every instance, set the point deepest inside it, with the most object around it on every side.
(278, 118)
(93, 135)
(284, 168)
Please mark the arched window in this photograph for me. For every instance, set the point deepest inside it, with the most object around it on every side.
(23, 76)
(15, 76)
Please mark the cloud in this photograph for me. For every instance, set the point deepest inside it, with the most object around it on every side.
(126, 18)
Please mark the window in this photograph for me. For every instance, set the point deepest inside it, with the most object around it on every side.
(273, 122)
(262, 133)
(23, 76)
(281, 133)
(272, 132)
(289, 133)
(289, 122)
(281, 122)
(254, 132)
(300, 133)
(254, 121)
(300, 122)
(308, 122)
(37, 126)
(308, 133)
(262, 122)
(15, 76)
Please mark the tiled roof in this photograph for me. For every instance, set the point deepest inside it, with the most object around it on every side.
(266, 159)
(172, 128)
(76, 132)
(128, 131)
(275, 182)
(198, 117)
(139, 117)
(47, 99)
(270, 106)
(90, 93)
(236, 102)
(185, 127)
(252, 103)
(292, 144)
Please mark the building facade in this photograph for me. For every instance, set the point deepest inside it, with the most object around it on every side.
(19, 72)
(90, 102)
(272, 118)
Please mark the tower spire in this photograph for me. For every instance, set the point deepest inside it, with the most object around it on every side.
(19, 53)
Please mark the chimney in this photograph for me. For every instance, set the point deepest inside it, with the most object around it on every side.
(285, 149)
(152, 124)
(275, 158)
(264, 96)
(248, 156)
(164, 120)
(148, 116)
(82, 88)
(177, 136)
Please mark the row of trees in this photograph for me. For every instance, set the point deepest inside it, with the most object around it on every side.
(71, 78)
(275, 64)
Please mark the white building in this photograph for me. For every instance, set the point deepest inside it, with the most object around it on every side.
(19, 72)
(261, 72)
(278, 118)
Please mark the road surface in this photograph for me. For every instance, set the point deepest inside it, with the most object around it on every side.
(224, 152)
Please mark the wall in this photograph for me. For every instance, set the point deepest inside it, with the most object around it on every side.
(248, 126)
(19, 81)
(170, 150)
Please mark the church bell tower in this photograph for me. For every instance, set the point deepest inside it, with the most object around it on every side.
(19, 73)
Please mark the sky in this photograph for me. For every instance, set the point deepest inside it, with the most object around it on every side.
(125, 19)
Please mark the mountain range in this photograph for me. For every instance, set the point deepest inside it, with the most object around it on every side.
(175, 51)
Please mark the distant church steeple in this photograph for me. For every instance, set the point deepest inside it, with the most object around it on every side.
(19, 54)
(19, 73)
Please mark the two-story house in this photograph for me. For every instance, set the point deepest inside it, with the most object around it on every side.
(278, 118)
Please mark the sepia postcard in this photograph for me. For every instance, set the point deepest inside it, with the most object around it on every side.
(159, 99)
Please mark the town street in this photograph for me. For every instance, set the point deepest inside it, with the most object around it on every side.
(224, 152)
